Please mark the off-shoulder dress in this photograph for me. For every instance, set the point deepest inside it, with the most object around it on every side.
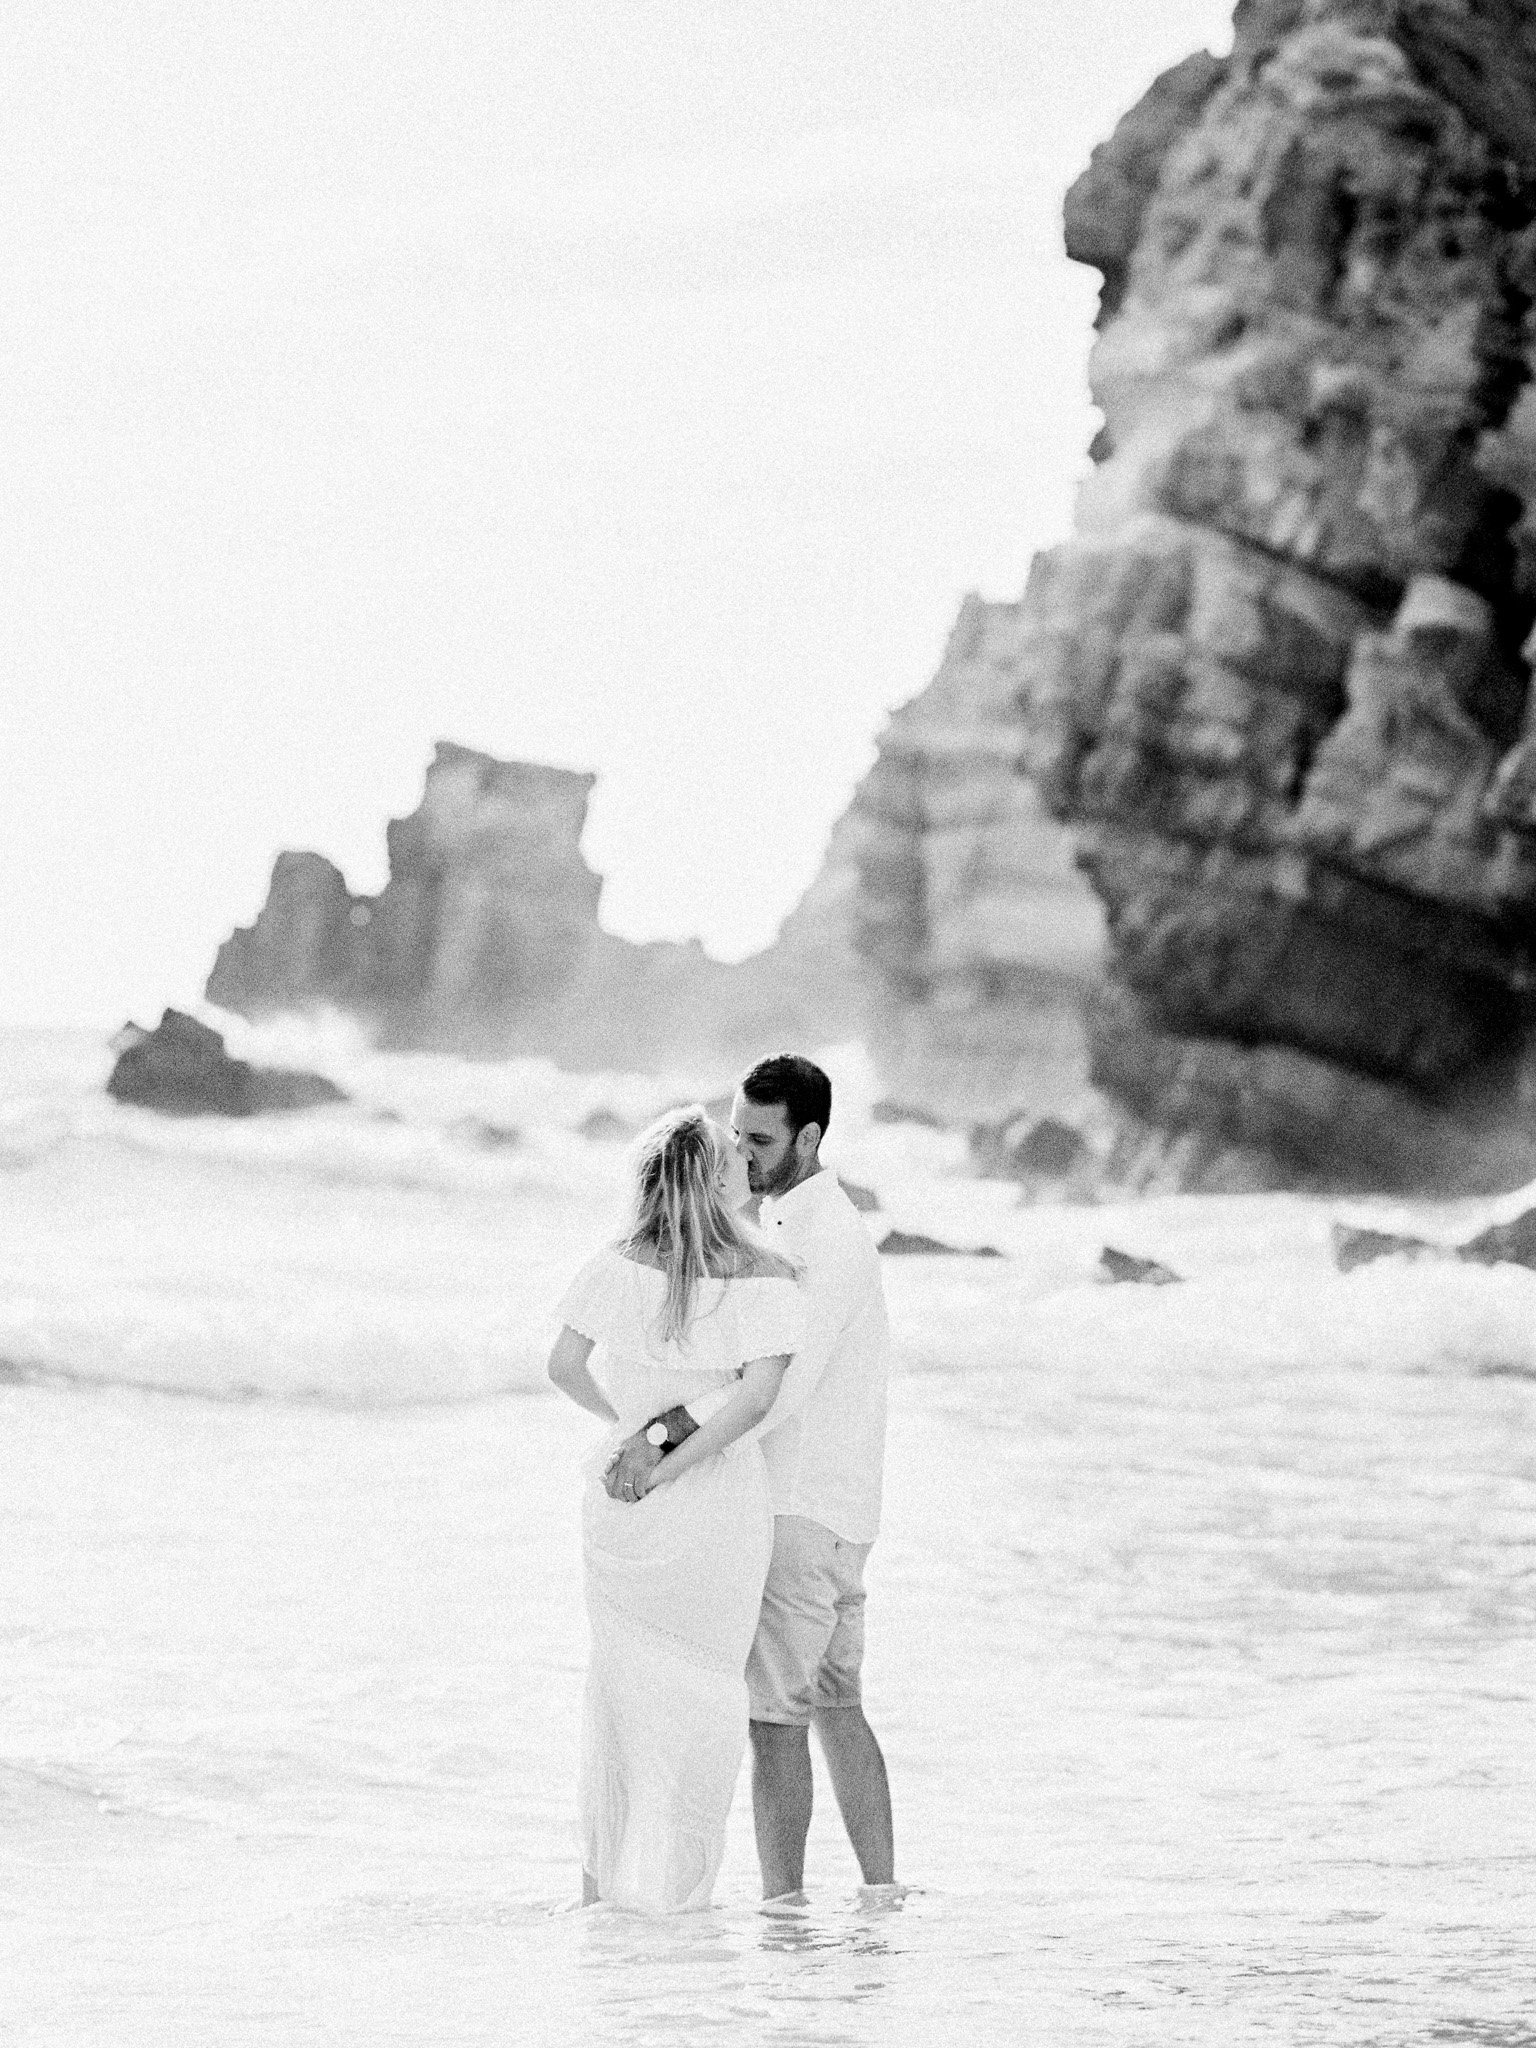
(673, 1584)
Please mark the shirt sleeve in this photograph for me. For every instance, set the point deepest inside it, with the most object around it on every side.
(832, 1296)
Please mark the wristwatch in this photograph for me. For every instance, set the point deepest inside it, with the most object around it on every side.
(657, 1434)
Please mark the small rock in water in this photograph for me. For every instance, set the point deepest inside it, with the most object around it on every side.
(1353, 1246)
(905, 1113)
(1504, 1243)
(1023, 1149)
(1512, 1244)
(1119, 1266)
(486, 1137)
(865, 1200)
(1050, 1147)
(605, 1127)
(181, 1069)
(913, 1243)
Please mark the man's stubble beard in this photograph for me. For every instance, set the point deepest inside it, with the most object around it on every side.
(788, 1176)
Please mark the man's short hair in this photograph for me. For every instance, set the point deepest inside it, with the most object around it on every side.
(796, 1082)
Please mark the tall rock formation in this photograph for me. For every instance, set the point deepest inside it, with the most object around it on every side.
(1278, 680)
(486, 941)
(980, 939)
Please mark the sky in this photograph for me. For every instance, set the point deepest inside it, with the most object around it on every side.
(634, 388)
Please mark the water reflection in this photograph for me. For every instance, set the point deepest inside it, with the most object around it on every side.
(792, 1970)
(798, 1927)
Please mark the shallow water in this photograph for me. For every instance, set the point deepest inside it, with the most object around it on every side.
(1200, 1633)
(1208, 1719)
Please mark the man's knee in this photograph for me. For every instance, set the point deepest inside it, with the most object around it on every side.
(774, 1739)
(841, 1721)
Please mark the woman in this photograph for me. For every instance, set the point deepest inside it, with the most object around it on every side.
(687, 1308)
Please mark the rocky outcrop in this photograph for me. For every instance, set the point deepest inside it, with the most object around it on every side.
(1501, 1244)
(916, 1244)
(489, 908)
(181, 1069)
(1278, 680)
(978, 938)
(1119, 1268)
(486, 941)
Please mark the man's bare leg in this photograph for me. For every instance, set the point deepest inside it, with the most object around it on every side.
(857, 1770)
(781, 1804)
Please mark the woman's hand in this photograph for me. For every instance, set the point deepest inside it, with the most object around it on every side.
(631, 1467)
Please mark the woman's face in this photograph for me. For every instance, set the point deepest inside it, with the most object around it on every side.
(731, 1178)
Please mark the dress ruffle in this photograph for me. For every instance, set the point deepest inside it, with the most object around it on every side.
(617, 1303)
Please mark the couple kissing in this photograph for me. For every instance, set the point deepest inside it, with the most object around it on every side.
(734, 1338)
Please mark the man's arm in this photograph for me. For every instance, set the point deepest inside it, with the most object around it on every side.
(680, 1426)
(833, 1298)
(637, 1457)
(834, 1295)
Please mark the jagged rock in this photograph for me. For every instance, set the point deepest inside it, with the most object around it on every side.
(1276, 680)
(304, 947)
(1354, 1247)
(1212, 1116)
(1116, 1266)
(1500, 1244)
(1504, 1243)
(976, 933)
(486, 940)
(182, 1069)
(914, 1244)
(1104, 208)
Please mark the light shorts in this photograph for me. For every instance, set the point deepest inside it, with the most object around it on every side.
(810, 1635)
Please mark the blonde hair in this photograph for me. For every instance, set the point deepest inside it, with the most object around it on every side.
(679, 1214)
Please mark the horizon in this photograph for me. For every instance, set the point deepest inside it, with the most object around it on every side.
(633, 408)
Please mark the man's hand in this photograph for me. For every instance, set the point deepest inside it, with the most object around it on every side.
(633, 1463)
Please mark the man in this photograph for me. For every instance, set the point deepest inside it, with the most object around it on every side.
(824, 1445)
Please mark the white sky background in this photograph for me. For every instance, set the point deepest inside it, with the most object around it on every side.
(630, 384)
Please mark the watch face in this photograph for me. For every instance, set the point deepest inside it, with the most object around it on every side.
(656, 1434)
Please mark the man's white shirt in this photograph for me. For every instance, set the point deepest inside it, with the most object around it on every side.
(824, 1437)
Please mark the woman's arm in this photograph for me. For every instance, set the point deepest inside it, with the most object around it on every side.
(760, 1381)
(569, 1370)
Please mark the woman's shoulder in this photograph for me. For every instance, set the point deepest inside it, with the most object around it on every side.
(589, 1301)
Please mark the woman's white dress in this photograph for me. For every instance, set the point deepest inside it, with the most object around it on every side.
(673, 1585)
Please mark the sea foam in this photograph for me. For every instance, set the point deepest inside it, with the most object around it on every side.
(411, 1244)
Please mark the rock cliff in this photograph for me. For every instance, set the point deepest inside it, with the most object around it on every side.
(1278, 679)
(486, 940)
(978, 939)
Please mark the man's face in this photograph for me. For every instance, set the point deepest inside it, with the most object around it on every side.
(760, 1132)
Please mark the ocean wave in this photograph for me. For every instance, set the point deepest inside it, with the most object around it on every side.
(410, 1245)
(313, 1344)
